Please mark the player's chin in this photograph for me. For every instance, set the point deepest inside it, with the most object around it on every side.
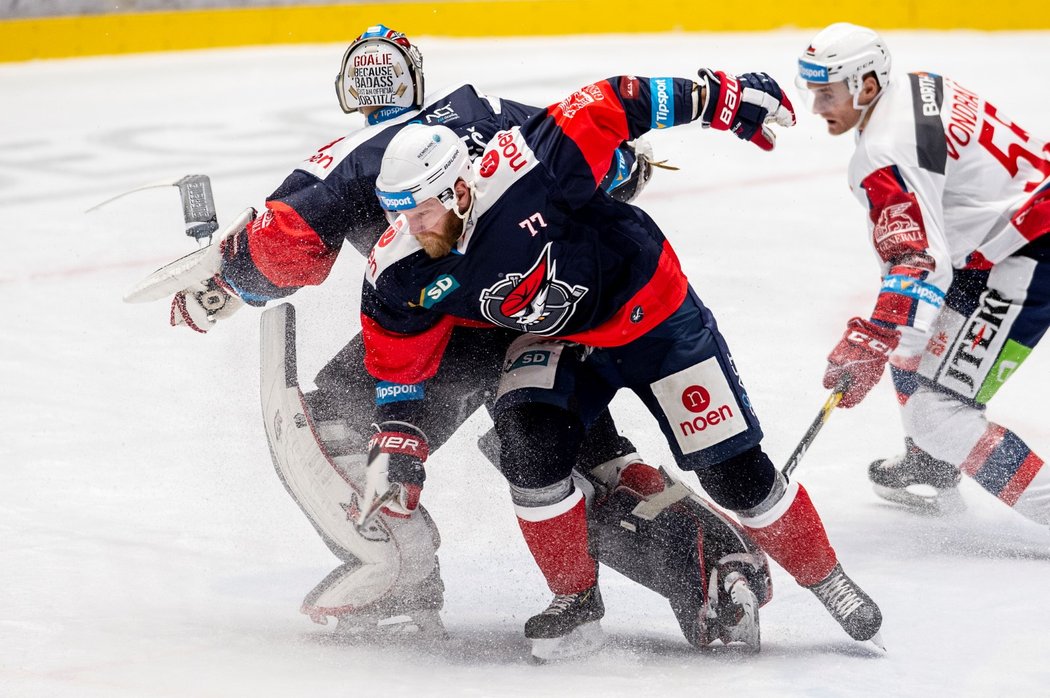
(435, 245)
(835, 128)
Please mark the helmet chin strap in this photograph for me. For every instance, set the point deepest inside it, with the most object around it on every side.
(864, 108)
(470, 207)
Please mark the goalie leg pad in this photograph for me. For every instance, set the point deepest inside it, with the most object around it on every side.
(387, 560)
(681, 547)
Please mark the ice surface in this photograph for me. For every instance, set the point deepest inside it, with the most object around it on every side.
(147, 547)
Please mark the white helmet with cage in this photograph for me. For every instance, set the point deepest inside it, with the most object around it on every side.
(844, 51)
(423, 163)
(381, 68)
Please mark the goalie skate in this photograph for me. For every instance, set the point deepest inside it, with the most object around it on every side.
(569, 627)
(732, 614)
(917, 481)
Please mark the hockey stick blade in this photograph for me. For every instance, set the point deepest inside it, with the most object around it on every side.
(825, 413)
(198, 203)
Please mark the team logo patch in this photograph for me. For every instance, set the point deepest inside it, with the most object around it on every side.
(535, 302)
(897, 229)
(700, 406)
(489, 163)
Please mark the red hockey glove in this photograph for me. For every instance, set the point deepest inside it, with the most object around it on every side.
(203, 304)
(394, 474)
(744, 105)
(861, 354)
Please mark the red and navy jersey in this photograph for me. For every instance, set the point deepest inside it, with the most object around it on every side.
(330, 198)
(545, 250)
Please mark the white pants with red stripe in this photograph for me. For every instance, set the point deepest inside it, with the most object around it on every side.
(996, 458)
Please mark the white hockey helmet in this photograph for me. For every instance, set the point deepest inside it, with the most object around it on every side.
(381, 68)
(844, 51)
(422, 163)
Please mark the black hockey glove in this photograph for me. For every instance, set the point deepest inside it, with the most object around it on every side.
(744, 104)
(638, 155)
(394, 475)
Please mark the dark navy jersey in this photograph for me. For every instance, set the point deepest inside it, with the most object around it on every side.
(544, 250)
(330, 197)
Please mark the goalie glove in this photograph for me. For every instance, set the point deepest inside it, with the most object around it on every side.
(744, 105)
(394, 474)
(860, 355)
(204, 303)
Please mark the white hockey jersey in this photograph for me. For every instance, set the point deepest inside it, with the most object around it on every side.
(944, 176)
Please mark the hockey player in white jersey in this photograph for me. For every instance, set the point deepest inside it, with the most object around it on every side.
(958, 204)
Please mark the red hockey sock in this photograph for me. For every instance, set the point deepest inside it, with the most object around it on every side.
(557, 538)
(796, 539)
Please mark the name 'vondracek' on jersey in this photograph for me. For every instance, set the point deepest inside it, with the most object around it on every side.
(947, 179)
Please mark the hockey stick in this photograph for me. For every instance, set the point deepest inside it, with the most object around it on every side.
(825, 413)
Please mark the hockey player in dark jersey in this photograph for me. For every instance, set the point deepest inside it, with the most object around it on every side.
(330, 199)
(525, 239)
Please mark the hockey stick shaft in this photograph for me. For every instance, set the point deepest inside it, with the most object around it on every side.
(825, 413)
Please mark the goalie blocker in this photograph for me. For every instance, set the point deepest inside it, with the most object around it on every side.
(651, 530)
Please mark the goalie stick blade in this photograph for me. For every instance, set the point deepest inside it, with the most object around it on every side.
(171, 278)
(178, 275)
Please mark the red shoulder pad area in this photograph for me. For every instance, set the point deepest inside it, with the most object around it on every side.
(593, 117)
(286, 249)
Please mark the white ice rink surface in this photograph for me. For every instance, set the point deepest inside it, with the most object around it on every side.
(147, 547)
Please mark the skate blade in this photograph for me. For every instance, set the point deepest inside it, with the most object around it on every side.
(421, 625)
(584, 640)
(876, 642)
(924, 499)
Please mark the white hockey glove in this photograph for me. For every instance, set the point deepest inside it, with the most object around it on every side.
(394, 474)
(203, 304)
(744, 105)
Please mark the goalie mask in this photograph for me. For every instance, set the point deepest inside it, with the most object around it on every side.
(843, 52)
(419, 173)
(381, 68)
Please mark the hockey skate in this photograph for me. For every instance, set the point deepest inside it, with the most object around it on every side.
(731, 612)
(569, 627)
(380, 627)
(414, 615)
(847, 603)
(918, 481)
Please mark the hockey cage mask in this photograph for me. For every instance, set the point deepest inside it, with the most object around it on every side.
(381, 68)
